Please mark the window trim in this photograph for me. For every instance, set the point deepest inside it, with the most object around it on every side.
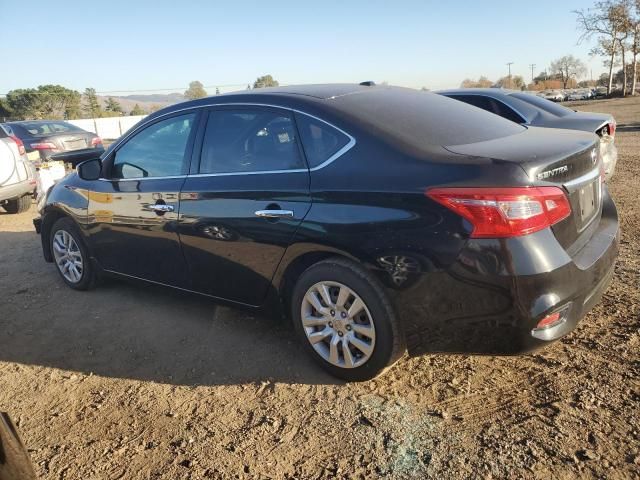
(198, 109)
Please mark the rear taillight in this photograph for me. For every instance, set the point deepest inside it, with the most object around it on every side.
(612, 129)
(505, 212)
(95, 141)
(21, 149)
(44, 146)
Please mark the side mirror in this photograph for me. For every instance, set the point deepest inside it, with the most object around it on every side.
(90, 170)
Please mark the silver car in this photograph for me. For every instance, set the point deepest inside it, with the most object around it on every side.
(529, 109)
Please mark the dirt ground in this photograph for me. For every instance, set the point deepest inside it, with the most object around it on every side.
(130, 382)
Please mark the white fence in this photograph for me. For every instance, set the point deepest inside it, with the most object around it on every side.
(109, 127)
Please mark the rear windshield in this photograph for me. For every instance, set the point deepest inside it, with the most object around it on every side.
(41, 129)
(544, 104)
(423, 118)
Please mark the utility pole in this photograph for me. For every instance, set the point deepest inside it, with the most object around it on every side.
(509, 65)
(532, 65)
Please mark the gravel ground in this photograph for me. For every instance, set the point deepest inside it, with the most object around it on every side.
(130, 382)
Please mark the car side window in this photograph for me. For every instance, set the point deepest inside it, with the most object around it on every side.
(499, 108)
(320, 140)
(246, 140)
(159, 150)
(490, 105)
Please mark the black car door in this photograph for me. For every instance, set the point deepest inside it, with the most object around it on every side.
(241, 207)
(133, 212)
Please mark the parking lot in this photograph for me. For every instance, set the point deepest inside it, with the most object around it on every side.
(136, 382)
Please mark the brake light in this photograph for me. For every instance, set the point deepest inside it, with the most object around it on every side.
(505, 212)
(612, 129)
(95, 141)
(21, 149)
(44, 146)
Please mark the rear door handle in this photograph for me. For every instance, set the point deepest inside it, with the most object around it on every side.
(161, 207)
(274, 213)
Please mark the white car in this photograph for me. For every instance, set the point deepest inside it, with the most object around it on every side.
(17, 174)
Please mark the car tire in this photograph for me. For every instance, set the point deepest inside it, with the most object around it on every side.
(371, 323)
(70, 255)
(18, 205)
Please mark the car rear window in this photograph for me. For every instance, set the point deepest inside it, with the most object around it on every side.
(420, 119)
(41, 129)
(544, 104)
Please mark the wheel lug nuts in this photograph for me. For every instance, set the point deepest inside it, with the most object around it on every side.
(333, 312)
(348, 327)
(331, 324)
(343, 315)
(340, 334)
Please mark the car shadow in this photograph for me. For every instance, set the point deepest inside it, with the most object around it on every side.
(137, 331)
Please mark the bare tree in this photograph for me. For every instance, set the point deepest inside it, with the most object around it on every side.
(608, 20)
(634, 27)
(482, 82)
(568, 67)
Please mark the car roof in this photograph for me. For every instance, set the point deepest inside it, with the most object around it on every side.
(412, 117)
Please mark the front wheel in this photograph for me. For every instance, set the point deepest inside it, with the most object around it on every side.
(343, 316)
(70, 255)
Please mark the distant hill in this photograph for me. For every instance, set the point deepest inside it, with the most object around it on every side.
(148, 103)
(164, 98)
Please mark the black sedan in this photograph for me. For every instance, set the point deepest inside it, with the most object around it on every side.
(529, 109)
(50, 137)
(380, 219)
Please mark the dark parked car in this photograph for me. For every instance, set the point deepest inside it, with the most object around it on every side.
(381, 219)
(49, 137)
(529, 109)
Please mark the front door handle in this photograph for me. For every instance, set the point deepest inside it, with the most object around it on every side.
(274, 213)
(162, 208)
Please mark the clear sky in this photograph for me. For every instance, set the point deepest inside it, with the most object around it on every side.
(143, 45)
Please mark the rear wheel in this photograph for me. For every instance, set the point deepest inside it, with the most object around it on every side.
(70, 255)
(342, 315)
(18, 205)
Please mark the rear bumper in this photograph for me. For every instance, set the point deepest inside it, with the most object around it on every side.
(491, 299)
(17, 190)
(609, 154)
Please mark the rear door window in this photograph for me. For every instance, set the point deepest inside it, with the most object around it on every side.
(250, 140)
(320, 140)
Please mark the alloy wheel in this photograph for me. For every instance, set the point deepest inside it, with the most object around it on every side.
(68, 256)
(338, 324)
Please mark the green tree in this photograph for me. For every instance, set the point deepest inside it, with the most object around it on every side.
(5, 111)
(137, 110)
(195, 90)
(73, 107)
(265, 81)
(46, 101)
(91, 105)
(113, 105)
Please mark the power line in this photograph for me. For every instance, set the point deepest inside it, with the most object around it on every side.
(105, 92)
(532, 65)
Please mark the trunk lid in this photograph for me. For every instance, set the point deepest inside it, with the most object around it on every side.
(565, 158)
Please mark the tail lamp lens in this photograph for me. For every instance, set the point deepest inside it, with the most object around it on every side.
(95, 141)
(44, 146)
(505, 212)
(21, 149)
